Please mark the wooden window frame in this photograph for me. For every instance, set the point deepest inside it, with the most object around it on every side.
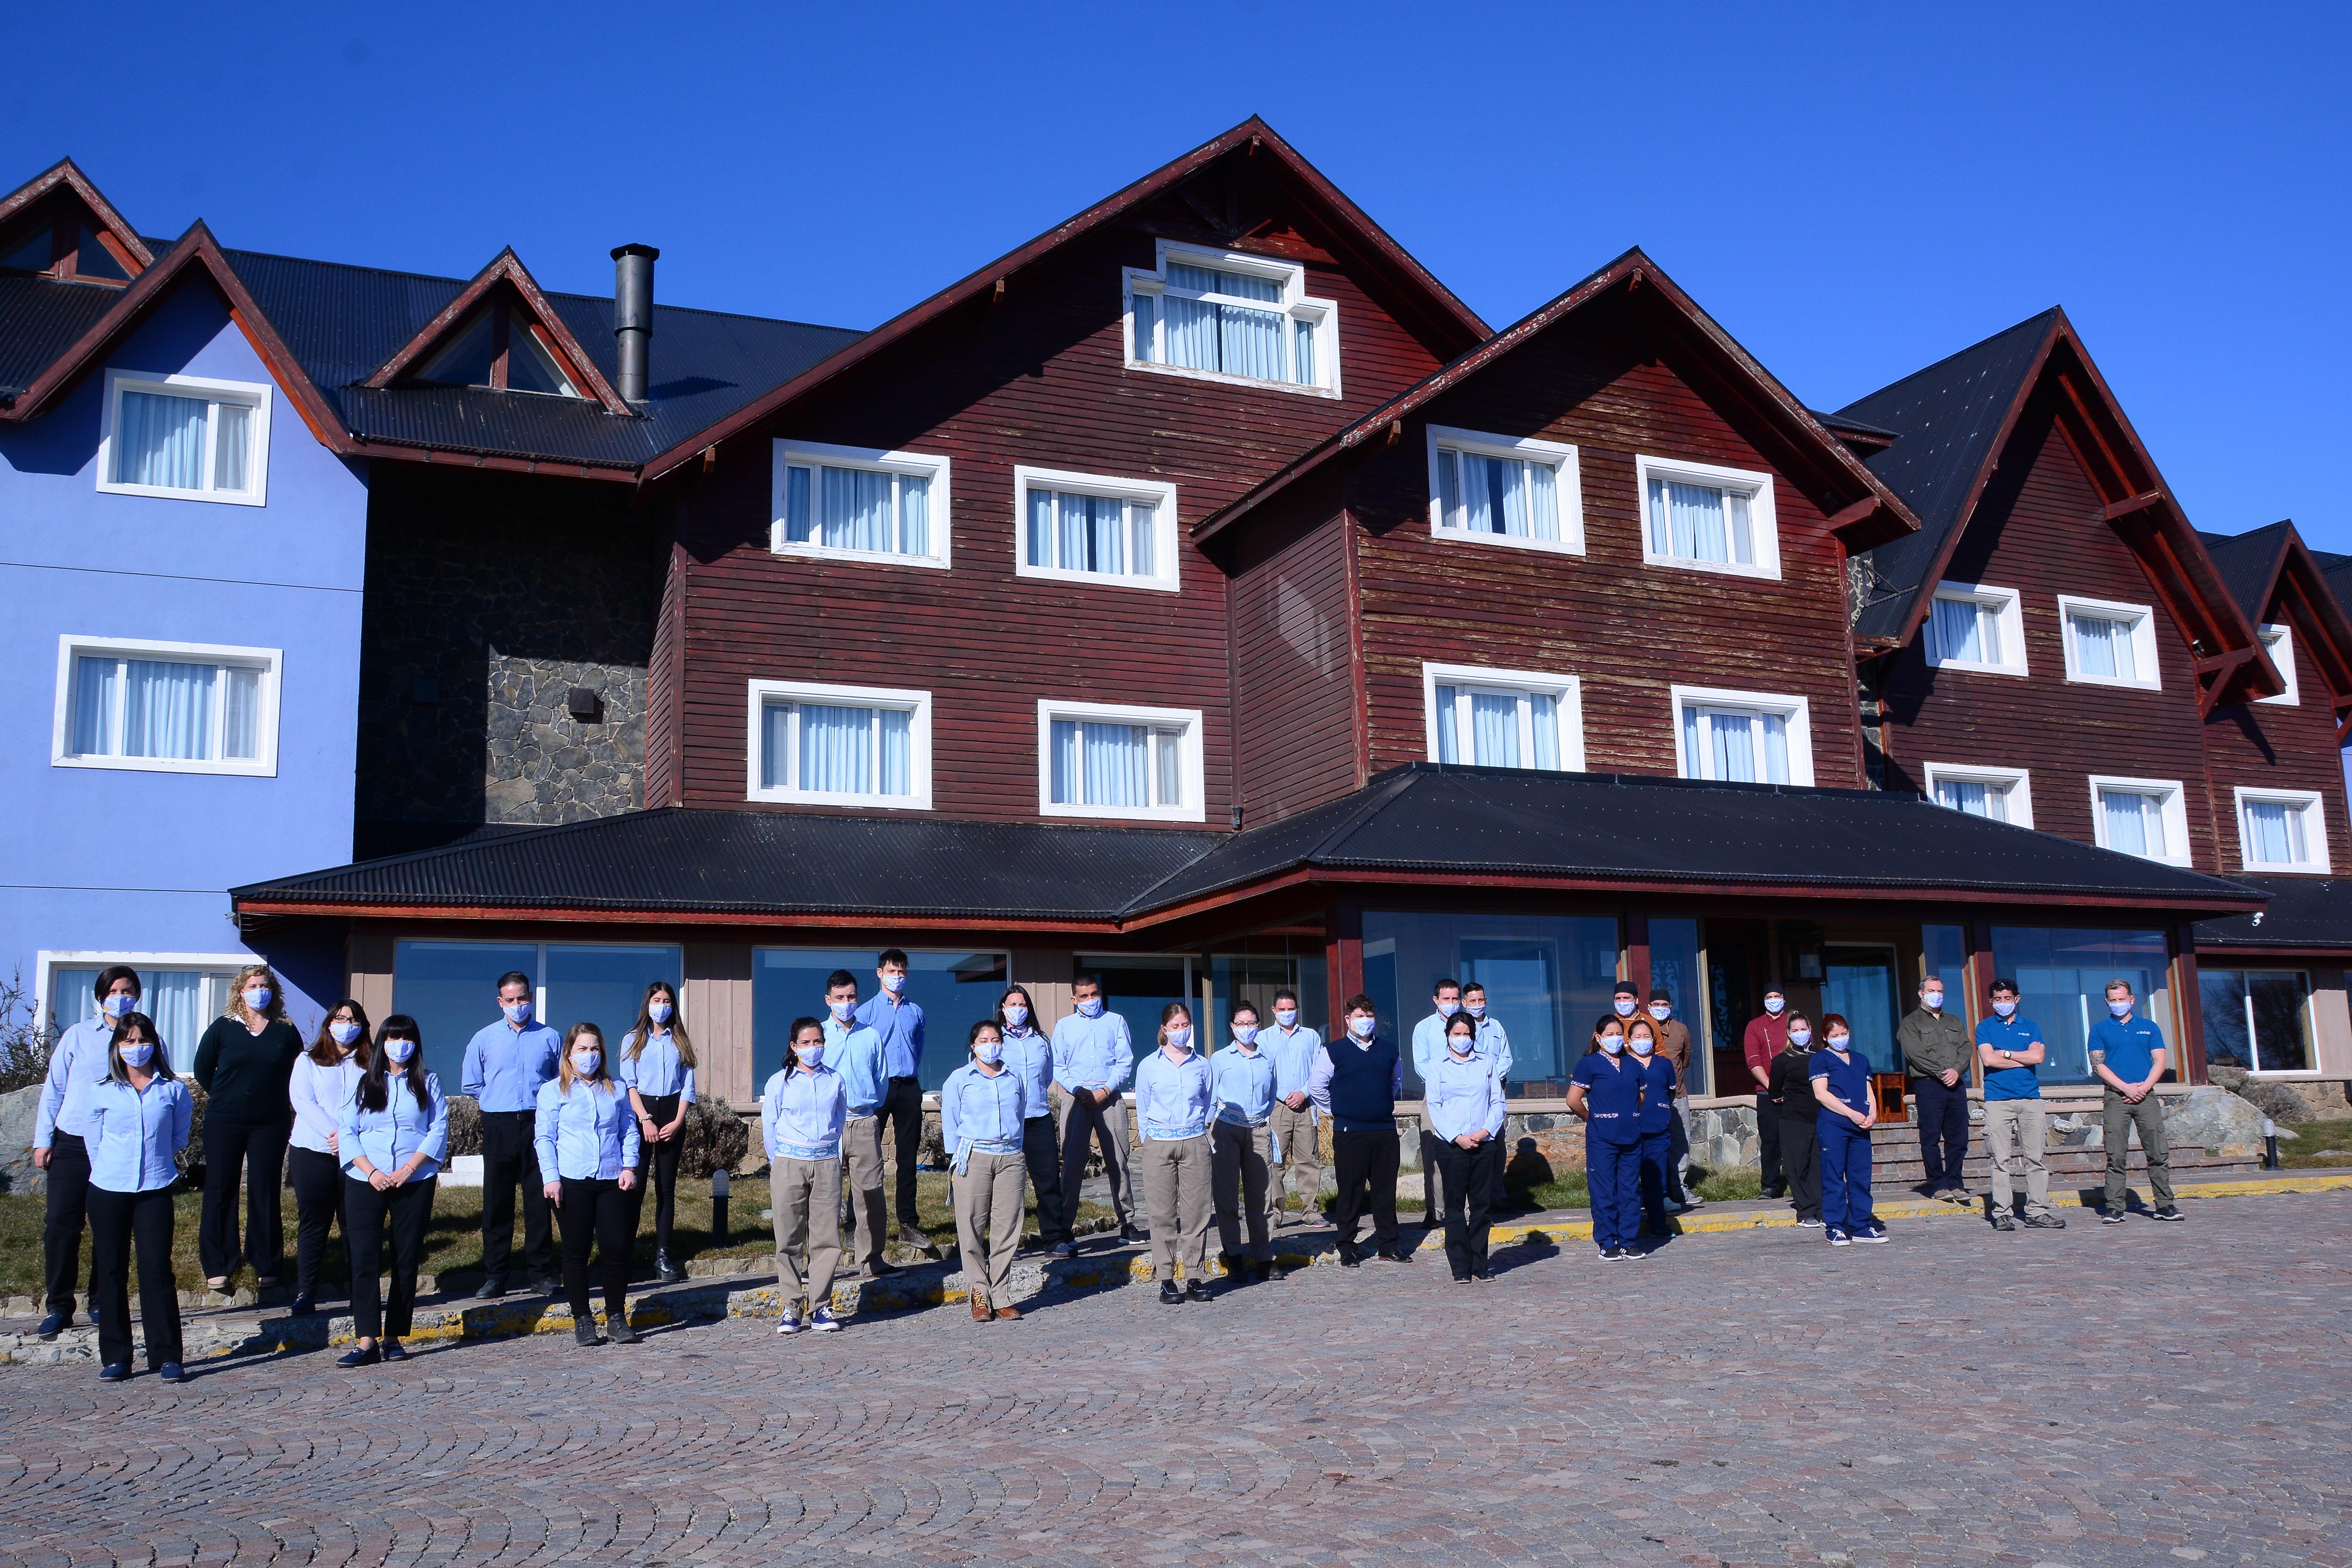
(1294, 306)
(2142, 618)
(2009, 615)
(2017, 787)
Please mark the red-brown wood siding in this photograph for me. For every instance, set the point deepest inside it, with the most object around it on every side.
(1627, 630)
(1294, 686)
(2269, 745)
(2037, 529)
(1037, 377)
(663, 681)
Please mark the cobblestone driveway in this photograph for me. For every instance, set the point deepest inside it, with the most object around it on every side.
(2148, 1393)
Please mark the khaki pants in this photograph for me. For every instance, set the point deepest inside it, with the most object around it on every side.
(807, 1198)
(861, 1162)
(1104, 1124)
(1240, 1159)
(1176, 1195)
(2015, 1129)
(2117, 1117)
(1297, 1141)
(988, 1196)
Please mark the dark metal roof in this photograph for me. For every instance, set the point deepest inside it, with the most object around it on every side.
(2247, 563)
(40, 318)
(2303, 912)
(1945, 419)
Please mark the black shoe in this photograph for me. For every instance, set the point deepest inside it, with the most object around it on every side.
(356, 1357)
(2111, 1216)
(548, 1285)
(1483, 1276)
(55, 1324)
(493, 1286)
(1462, 1280)
(1198, 1291)
(622, 1333)
(1348, 1259)
(1168, 1295)
(584, 1332)
(1133, 1233)
(882, 1266)
(2168, 1213)
(171, 1372)
(303, 1306)
(666, 1272)
(393, 1350)
(2003, 1222)
(2043, 1222)
(1391, 1255)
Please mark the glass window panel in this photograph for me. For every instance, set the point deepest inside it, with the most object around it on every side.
(467, 361)
(1547, 978)
(952, 986)
(33, 253)
(897, 752)
(853, 510)
(1170, 746)
(167, 710)
(2135, 822)
(97, 685)
(1449, 742)
(1674, 966)
(1216, 280)
(180, 1001)
(798, 524)
(159, 440)
(837, 749)
(1250, 342)
(1144, 313)
(233, 445)
(530, 367)
(1543, 488)
(1065, 770)
(1544, 716)
(1743, 536)
(2271, 832)
(1106, 534)
(2282, 1009)
(1662, 532)
(1041, 529)
(1858, 984)
(1135, 988)
(2063, 973)
(1252, 969)
(604, 985)
(2229, 1038)
(1494, 729)
(1190, 331)
(914, 515)
(451, 989)
(776, 746)
(1303, 370)
(1116, 763)
(2103, 646)
(92, 259)
(1945, 950)
(1954, 625)
(1449, 488)
(1140, 555)
(241, 714)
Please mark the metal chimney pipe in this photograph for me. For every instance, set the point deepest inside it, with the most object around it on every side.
(632, 316)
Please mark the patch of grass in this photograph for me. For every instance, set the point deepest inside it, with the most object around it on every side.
(2318, 1145)
(1570, 1191)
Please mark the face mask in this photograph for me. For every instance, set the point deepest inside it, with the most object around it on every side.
(399, 1051)
(990, 1052)
(1841, 1042)
(1643, 1045)
(1016, 1015)
(1245, 1034)
(137, 1056)
(342, 1034)
(1659, 1010)
(1285, 1017)
(1362, 1028)
(809, 1055)
(517, 1012)
(658, 1012)
(1932, 1000)
(120, 1006)
(1799, 1037)
(1447, 1009)
(842, 1010)
(1773, 1004)
(1460, 1046)
(1624, 1006)
(584, 1063)
(894, 984)
(257, 997)
(1475, 1009)
(1090, 1008)
(2004, 1008)
(1181, 1038)
(1612, 1044)
(2120, 1009)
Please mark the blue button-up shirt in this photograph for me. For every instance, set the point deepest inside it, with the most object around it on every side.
(1172, 1098)
(401, 1130)
(136, 1135)
(1241, 1084)
(900, 1025)
(855, 1053)
(1463, 1096)
(801, 1114)
(657, 1069)
(505, 1066)
(1495, 1045)
(975, 1109)
(1031, 1055)
(590, 1134)
(320, 1096)
(1093, 1053)
(1428, 1044)
(1292, 1051)
(79, 1063)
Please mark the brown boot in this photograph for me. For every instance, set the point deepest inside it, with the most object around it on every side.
(980, 1312)
(1008, 1314)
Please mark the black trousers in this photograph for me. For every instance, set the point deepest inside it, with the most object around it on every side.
(509, 1161)
(116, 1220)
(68, 1206)
(1041, 1150)
(1768, 1147)
(1366, 1165)
(1943, 1130)
(598, 1213)
(902, 1114)
(319, 1181)
(369, 1217)
(1800, 1157)
(256, 1152)
(1469, 1184)
(660, 1162)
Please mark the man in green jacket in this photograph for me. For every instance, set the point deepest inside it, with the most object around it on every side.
(1935, 1050)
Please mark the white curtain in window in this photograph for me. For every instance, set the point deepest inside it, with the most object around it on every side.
(1065, 770)
(1041, 529)
(1170, 747)
(837, 750)
(1973, 798)
(1204, 334)
(1736, 746)
(1191, 332)
(159, 440)
(175, 998)
(1697, 522)
(2274, 833)
(1144, 312)
(1140, 554)
(2103, 646)
(1088, 533)
(233, 439)
(1449, 741)
(241, 714)
(1546, 718)
(1251, 342)
(96, 686)
(1494, 729)
(2135, 822)
(1233, 285)
(799, 526)
(167, 710)
(1117, 764)
(854, 513)
(776, 746)
(914, 515)
(897, 752)
(1106, 532)
(1965, 629)
(1304, 372)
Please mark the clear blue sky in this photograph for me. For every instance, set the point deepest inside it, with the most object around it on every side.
(1854, 192)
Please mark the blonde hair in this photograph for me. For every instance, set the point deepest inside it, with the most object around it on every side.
(563, 1068)
(235, 1006)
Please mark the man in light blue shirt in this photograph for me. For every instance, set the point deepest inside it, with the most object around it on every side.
(854, 1049)
(79, 1063)
(1297, 1124)
(899, 1020)
(1428, 1049)
(504, 1066)
(801, 1112)
(1464, 1100)
(1093, 1059)
(1241, 1141)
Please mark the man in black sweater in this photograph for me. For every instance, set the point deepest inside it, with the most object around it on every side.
(1359, 1075)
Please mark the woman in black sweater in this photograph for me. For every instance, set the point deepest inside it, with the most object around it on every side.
(244, 1063)
(1792, 1101)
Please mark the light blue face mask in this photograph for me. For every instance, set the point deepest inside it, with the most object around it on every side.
(1016, 1014)
(1245, 1034)
(1362, 1028)
(137, 1056)
(1612, 1044)
(1801, 1036)
(517, 1012)
(989, 1052)
(2120, 1009)
(1181, 1037)
(2004, 1008)
(1285, 1017)
(658, 1012)
(344, 1033)
(1448, 1009)
(842, 1010)
(399, 1051)
(257, 997)
(121, 1007)
(584, 1063)
(1091, 1008)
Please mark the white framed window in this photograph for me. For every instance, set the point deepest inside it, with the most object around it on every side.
(2282, 830)
(1973, 626)
(2278, 641)
(1742, 737)
(2001, 795)
(1092, 528)
(860, 503)
(1226, 316)
(1499, 491)
(1502, 718)
(185, 436)
(2108, 644)
(166, 707)
(1707, 518)
(2147, 817)
(1095, 760)
(839, 745)
(182, 991)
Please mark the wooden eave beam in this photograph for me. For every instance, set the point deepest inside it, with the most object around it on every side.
(2117, 510)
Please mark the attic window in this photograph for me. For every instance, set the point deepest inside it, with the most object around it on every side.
(499, 348)
(62, 250)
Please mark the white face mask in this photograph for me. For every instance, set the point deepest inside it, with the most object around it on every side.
(1447, 1009)
(2120, 1009)
(344, 1033)
(1801, 1036)
(658, 1012)
(399, 1051)
(1612, 1044)
(584, 1063)
(1659, 1010)
(2004, 1008)
(1285, 1017)
(1932, 1000)
(137, 1056)
(1841, 1042)
(1642, 1045)
(1016, 1013)
(1475, 1009)
(1245, 1034)
(1181, 1037)
(1773, 1004)
(120, 1006)
(842, 1010)
(257, 997)
(1362, 1028)
(894, 984)
(989, 1052)
(809, 1054)
(516, 1012)
(1091, 1007)
(1624, 1006)
(1460, 1046)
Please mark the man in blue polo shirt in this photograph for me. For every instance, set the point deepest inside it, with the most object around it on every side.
(2127, 1053)
(897, 1020)
(2009, 1047)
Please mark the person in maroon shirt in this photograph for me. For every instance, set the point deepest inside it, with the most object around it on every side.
(1767, 1034)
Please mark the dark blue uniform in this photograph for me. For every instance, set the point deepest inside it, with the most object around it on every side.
(1846, 1148)
(1658, 1125)
(1612, 1146)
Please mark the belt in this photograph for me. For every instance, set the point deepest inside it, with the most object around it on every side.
(902, 1078)
(528, 1114)
(811, 1152)
(984, 1146)
(1173, 1134)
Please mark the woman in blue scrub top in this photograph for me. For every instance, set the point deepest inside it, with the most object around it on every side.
(394, 1136)
(1657, 1120)
(1605, 1089)
(587, 1141)
(658, 1065)
(1840, 1079)
(139, 1116)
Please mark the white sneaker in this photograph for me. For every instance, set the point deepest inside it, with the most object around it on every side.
(1692, 1201)
(1809, 1224)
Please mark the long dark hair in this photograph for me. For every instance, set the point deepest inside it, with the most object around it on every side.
(1027, 1001)
(677, 1024)
(325, 1051)
(158, 1063)
(373, 1094)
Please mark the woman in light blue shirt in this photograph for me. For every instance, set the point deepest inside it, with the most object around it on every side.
(1241, 1141)
(394, 1138)
(137, 1118)
(657, 1066)
(588, 1149)
(325, 1078)
(982, 1108)
(1029, 1053)
(1171, 1109)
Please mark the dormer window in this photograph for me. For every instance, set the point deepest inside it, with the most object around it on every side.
(1232, 317)
(500, 348)
(67, 250)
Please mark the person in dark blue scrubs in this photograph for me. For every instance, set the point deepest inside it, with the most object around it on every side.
(1657, 1121)
(1605, 1089)
(1840, 1080)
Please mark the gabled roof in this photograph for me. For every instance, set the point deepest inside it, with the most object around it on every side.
(506, 269)
(64, 177)
(1866, 511)
(1952, 422)
(2276, 578)
(2305, 914)
(1416, 292)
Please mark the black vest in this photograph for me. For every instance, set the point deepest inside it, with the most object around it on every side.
(1363, 1082)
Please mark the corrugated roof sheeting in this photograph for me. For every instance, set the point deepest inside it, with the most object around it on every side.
(2303, 912)
(2246, 562)
(40, 318)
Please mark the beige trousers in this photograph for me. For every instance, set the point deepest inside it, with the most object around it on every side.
(1176, 1196)
(988, 1198)
(2015, 1131)
(807, 1198)
(870, 1212)
(1107, 1125)
(1297, 1142)
(1240, 1159)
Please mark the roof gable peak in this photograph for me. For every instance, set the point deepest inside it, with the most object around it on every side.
(488, 304)
(58, 223)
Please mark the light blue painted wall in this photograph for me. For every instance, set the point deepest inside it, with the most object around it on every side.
(119, 861)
